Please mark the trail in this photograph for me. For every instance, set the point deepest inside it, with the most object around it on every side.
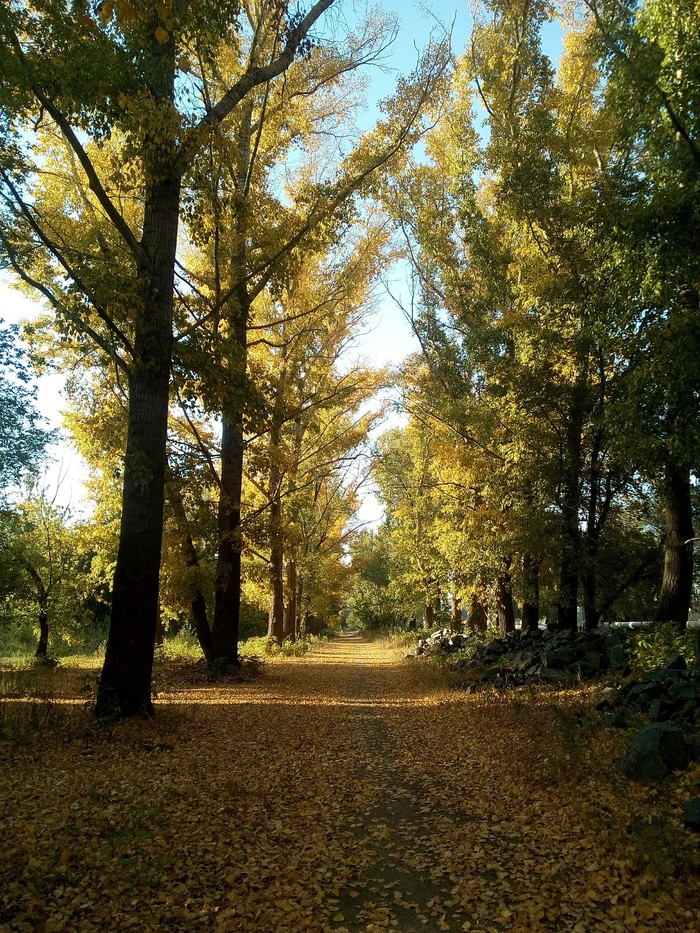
(338, 792)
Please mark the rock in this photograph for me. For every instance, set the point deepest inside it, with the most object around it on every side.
(655, 752)
(643, 693)
(691, 814)
(661, 710)
(694, 747)
(559, 658)
(607, 695)
(682, 689)
(676, 663)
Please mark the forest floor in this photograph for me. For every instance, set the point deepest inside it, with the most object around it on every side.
(343, 791)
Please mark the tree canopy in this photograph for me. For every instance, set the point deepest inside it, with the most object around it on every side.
(186, 187)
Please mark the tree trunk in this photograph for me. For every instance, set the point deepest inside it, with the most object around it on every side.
(429, 615)
(504, 605)
(198, 606)
(677, 583)
(43, 600)
(591, 610)
(477, 620)
(531, 587)
(227, 600)
(570, 533)
(680, 425)
(160, 630)
(456, 614)
(290, 613)
(125, 682)
(43, 645)
(276, 627)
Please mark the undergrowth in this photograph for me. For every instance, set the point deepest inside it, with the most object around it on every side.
(652, 647)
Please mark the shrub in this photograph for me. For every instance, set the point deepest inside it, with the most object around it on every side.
(652, 647)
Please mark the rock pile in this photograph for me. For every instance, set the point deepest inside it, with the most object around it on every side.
(544, 655)
(666, 694)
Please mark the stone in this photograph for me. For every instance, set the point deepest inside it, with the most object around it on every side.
(658, 675)
(655, 752)
(682, 689)
(661, 710)
(694, 747)
(691, 814)
(559, 657)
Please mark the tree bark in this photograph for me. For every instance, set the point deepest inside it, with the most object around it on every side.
(477, 620)
(125, 682)
(681, 430)
(456, 614)
(504, 605)
(570, 533)
(290, 612)
(227, 599)
(198, 606)
(275, 626)
(429, 615)
(42, 596)
(531, 587)
(42, 647)
(677, 583)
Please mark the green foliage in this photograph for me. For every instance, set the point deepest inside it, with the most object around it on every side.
(23, 441)
(264, 646)
(652, 647)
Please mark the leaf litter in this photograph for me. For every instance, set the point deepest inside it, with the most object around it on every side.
(339, 792)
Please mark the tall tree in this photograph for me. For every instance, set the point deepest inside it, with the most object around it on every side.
(256, 233)
(651, 52)
(97, 71)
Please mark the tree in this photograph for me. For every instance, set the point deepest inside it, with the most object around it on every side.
(409, 488)
(650, 54)
(23, 439)
(41, 565)
(118, 70)
(524, 327)
(254, 238)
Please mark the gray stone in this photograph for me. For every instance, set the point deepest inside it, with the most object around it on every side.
(691, 814)
(694, 747)
(655, 752)
(559, 657)
(682, 689)
(593, 660)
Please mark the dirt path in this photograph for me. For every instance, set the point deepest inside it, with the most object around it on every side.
(339, 792)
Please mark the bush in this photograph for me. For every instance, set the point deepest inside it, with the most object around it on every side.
(652, 647)
(181, 647)
(254, 647)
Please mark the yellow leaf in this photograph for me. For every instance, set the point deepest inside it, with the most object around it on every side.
(126, 11)
(161, 35)
(104, 11)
